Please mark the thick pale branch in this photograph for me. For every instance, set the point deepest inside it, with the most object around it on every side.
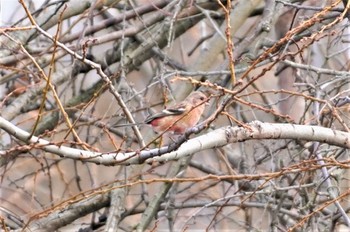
(216, 138)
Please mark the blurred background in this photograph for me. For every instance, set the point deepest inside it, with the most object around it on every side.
(278, 61)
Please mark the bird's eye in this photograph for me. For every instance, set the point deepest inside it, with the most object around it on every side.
(201, 98)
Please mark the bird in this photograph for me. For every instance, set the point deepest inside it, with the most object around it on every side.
(180, 117)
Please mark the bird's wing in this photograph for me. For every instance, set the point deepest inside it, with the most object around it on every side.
(166, 112)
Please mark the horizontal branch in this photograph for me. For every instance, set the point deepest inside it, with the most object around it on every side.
(216, 138)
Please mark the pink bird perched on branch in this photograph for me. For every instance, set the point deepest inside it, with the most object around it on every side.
(181, 116)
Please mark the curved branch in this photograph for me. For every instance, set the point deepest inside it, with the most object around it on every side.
(216, 138)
